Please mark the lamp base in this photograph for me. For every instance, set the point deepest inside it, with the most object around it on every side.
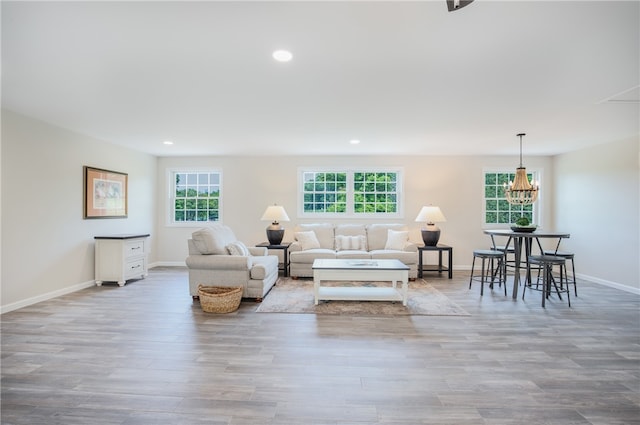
(275, 233)
(431, 236)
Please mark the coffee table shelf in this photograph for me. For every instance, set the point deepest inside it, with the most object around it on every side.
(360, 293)
(354, 270)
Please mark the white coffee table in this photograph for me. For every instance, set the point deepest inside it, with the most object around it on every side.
(360, 270)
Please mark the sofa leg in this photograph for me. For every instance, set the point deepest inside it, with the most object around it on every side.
(259, 300)
(195, 297)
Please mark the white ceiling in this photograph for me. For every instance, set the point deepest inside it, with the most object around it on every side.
(402, 77)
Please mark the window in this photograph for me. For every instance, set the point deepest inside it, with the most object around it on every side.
(324, 192)
(497, 209)
(350, 193)
(196, 196)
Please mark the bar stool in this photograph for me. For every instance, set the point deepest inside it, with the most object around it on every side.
(496, 266)
(547, 262)
(563, 269)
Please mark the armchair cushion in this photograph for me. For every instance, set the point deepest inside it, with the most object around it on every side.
(238, 248)
(261, 265)
(213, 240)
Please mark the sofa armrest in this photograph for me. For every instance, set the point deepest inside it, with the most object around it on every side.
(410, 247)
(295, 246)
(258, 251)
(219, 262)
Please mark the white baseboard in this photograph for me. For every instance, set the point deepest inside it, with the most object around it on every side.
(168, 264)
(44, 297)
(588, 278)
(608, 283)
(64, 291)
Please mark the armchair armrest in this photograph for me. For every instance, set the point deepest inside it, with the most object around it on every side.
(219, 262)
(258, 251)
(295, 246)
(410, 247)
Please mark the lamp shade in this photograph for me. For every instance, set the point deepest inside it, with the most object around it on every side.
(275, 214)
(430, 215)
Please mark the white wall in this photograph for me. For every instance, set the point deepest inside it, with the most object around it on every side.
(250, 184)
(47, 246)
(597, 201)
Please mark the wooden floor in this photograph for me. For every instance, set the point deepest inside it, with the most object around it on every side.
(146, 354)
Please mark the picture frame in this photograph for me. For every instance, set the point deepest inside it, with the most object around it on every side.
(105, 193)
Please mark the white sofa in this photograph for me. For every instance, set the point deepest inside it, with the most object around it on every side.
(350, 241)
(217, 258)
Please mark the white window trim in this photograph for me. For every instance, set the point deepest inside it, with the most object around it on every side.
(349, 214)
(170, 199)
(537, 208)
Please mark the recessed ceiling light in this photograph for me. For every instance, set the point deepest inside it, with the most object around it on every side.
(282, 55)
(168, 142)
(354, 141)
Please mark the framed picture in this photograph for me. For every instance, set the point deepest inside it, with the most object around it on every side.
(105, 193)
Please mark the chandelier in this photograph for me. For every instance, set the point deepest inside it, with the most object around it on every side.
(520, 191)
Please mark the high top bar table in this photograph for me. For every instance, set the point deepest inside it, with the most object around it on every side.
(518, 239)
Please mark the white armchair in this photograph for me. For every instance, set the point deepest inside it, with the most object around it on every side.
(217, 258)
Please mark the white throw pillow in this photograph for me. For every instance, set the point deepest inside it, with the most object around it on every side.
(396, 239)
(345, 243)
(238, 248)
(308, 240)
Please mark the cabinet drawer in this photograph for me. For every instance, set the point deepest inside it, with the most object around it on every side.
(133, 248)
(134, 268)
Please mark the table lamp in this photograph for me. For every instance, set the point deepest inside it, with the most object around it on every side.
(430, 215)
(275, 214)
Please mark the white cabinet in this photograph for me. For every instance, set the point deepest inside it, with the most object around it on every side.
(121, 257)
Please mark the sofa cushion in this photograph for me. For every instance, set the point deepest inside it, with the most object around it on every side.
(407, 257)
(351, 254)
(396, 239)
(377, 234)
(237, 248)
(309, 255)
(344, 243)
(324, 232)
(213, 240)
(351, 229)
(308, 240)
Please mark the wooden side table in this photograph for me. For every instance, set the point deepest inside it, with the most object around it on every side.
(439, 267)
(284, 266)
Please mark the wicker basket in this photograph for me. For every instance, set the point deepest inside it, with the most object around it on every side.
(219, 299)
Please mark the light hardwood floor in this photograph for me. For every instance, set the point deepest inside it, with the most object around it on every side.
(146, 354)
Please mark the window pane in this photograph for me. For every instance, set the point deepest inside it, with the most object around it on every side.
(196, 196)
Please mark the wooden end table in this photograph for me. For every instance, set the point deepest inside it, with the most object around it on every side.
(439, 267)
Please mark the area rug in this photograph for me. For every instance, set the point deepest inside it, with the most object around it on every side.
(296, 296)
